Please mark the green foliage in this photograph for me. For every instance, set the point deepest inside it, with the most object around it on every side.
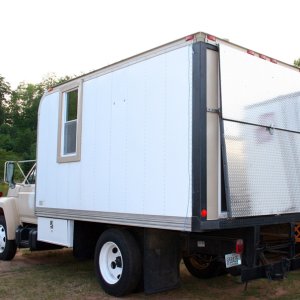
(4, 93)
(5, 156)
(18, 118)
(297, 62)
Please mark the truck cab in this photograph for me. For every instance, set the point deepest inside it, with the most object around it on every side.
(17, 213)
(24, 193)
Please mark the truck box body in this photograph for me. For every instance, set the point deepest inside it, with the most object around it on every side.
(149, 134)
(190, 150)
(135, 147)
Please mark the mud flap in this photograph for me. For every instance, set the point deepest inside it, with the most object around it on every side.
(161, 260)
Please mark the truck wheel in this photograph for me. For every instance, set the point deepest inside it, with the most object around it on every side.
(118, 262)
(203, 266)
(8, 248)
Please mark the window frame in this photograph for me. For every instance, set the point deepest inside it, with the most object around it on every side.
(76, 156)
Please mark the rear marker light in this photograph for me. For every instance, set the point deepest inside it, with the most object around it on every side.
(250, 52)
(203, 213)
(239, 246)
(262, 56)
(189, 38)
(274, 61)
(211, 37)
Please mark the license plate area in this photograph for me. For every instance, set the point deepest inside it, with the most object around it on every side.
(232, 260)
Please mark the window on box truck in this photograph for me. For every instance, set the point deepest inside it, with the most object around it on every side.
(70, 121)
(69, 134)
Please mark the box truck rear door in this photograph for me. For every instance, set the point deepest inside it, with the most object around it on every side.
(260, 133)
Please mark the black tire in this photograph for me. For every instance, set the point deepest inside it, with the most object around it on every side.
(203, 266)
(118, 262)
(8, 248)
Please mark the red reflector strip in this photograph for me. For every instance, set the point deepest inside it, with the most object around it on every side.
(262, 56)
(274, 61)
(189, 38)
(211, 37)
(250, 52)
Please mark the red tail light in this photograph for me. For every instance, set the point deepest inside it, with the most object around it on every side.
(203, 213)
(1, 194)
(239, 246)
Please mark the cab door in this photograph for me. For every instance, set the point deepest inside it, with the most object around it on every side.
(26, 198)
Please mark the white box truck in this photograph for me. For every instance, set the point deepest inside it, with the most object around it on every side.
(163, 156)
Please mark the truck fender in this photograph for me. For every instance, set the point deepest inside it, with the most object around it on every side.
(9, 210)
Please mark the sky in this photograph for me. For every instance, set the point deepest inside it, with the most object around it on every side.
(40, 37)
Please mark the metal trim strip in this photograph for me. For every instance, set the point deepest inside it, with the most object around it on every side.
(198, 130)
(199, 167)
(140, 220)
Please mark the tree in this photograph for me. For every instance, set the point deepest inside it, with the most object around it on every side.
(18, 117)
(18, 133)
(4, 93)
(297, 62)
(22, 115)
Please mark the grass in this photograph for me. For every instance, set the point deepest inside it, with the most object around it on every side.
(57, 275)
(61, 277)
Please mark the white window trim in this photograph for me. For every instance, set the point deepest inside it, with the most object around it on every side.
(70, 157)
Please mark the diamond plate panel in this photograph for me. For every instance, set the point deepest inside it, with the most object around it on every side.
(263, 170)
(257, 91)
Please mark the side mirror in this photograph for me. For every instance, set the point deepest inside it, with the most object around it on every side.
(9, 174)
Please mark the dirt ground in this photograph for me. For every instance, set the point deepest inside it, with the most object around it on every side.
(22, 261)
(57, 275)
